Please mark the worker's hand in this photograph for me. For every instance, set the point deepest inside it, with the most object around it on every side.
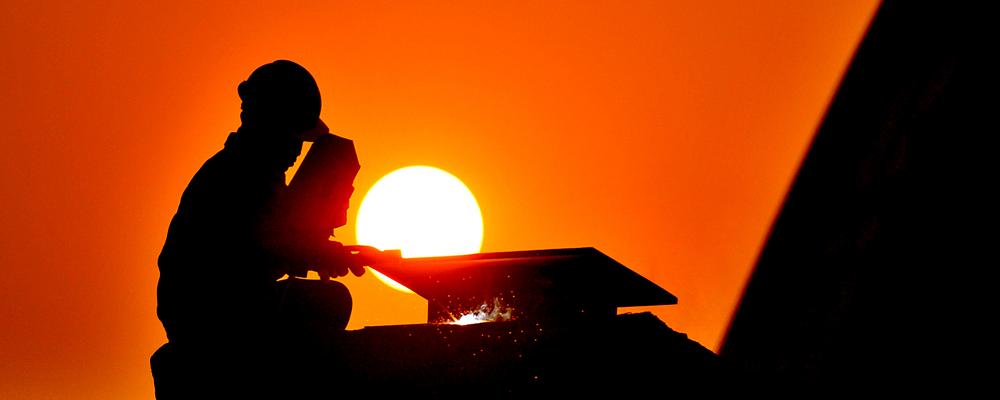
(365, 256)
(375, 258)
(333, 260)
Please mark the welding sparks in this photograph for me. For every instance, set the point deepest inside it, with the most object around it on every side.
(484, 314)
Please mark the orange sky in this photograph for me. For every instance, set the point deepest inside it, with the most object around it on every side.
(663, 133)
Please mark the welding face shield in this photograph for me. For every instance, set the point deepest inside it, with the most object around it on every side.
(320, 192)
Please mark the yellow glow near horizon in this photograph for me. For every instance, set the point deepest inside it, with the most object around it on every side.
(422, 211)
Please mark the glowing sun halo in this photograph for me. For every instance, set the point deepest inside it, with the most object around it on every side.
(422, 211)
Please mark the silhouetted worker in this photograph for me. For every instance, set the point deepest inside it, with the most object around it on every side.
(236, 231)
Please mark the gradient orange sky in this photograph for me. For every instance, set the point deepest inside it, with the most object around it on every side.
(663, 133)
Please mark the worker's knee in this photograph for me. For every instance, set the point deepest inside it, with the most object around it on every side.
(314, 304)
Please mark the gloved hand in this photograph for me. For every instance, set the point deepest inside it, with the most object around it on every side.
(342, 259)
(333, 260)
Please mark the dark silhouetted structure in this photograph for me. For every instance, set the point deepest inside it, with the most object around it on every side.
(624, 356)
(556, 333)
(871, 277)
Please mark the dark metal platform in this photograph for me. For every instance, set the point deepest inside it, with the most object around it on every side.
(535, 284)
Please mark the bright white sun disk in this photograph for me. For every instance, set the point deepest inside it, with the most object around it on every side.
(422, 211)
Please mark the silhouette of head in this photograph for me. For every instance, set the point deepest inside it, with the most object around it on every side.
(281, 97)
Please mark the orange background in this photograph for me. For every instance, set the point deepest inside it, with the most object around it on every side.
(663, 133)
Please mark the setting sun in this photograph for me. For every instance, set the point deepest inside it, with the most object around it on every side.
(422, 211)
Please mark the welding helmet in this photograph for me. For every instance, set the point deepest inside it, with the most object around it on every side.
(280, 96)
